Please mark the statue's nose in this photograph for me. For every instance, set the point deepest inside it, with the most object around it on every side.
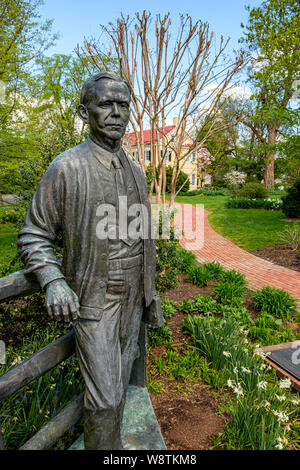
(115, 109)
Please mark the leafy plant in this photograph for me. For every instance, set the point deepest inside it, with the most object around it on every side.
(246, 203)
(168, 307)
(229, 293)
(162, 335)
(291, 236)
(201, 275)
(185, 260)
(200, 303)
(29, 409)
(275, 301)
(252, 190)
(291, 202)
(233, 276)
(240, 314)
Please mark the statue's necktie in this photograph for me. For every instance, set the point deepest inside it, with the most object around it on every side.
(121, 188)
(121, 192)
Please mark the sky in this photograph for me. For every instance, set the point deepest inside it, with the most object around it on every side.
(76, 19)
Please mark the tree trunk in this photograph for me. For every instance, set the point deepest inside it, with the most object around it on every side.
(270, 158)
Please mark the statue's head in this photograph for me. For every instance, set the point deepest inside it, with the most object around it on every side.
(104, 105)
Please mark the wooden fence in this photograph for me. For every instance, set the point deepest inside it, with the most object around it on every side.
(17, 285)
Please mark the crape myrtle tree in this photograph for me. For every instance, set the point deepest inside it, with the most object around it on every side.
(173, 70)
(273, 42)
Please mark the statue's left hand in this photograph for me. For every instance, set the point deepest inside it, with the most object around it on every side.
(61, 302)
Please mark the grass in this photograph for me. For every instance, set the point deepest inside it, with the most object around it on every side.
(8, 247)
(251, 229)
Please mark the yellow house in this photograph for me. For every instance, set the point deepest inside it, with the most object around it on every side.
(189, 165)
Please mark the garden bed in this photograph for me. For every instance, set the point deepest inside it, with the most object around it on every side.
(283, 255)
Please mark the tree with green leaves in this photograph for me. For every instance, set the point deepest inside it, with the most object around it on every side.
(272, 38)
(23, 39)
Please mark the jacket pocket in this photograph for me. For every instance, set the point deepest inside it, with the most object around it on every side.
(90, 313)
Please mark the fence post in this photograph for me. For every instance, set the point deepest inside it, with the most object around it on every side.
(1, 440)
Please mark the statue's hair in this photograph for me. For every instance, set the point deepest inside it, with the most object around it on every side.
(87, 90)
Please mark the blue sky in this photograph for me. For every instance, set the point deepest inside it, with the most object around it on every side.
(75, 19)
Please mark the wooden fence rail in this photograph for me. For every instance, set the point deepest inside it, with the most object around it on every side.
(17, 285)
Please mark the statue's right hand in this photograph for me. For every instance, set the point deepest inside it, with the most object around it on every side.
(61, 302)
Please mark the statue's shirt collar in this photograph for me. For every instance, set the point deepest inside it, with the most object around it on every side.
(103, 155)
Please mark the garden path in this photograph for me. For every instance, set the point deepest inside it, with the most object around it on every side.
(259, 272)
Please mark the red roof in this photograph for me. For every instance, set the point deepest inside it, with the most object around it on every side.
(147, 135)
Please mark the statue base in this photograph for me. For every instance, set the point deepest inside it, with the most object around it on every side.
(140, 429)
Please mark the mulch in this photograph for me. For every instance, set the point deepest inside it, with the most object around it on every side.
(283, 255)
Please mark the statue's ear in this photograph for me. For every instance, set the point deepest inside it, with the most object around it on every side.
(83, 113)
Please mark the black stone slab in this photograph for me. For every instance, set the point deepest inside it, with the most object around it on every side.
(287, 359)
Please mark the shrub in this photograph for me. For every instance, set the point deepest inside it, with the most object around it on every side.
(201, 275)
(234, 177)
(234, 277)
(229, 293)
(291, 202)
(253, 191)
(275, 301)
(166, 259)
(185, 260)
(245, 203)
(12, 214)
(205, 192)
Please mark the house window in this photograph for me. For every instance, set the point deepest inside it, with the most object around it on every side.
(194, 157)
(148, 155)
(169, 157)
(193, 180)
(187, 159)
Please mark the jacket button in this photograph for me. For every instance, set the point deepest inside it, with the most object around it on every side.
(102, 284)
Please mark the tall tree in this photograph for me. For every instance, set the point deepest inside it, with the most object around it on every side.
(23, 39)
(272, 37)
(182, 73)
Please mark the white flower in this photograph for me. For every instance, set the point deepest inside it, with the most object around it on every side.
(280, 397)
(282, 417)
(229, 383)
(262, 385)
(238, 391)
(17, 361)
(246, 370)
(235, 370)
(279, 446)
(295, 401)
(285, 383)
(226, 353)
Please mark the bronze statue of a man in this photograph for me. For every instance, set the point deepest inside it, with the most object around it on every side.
(104, 283)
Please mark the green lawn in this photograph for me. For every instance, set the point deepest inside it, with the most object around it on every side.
(8, 246)
(251, 229)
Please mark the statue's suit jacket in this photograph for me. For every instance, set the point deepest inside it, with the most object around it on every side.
(66, 201)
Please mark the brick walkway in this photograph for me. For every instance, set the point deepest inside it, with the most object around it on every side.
(259, 272)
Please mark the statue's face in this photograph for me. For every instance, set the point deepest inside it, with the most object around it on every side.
(108, 111)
